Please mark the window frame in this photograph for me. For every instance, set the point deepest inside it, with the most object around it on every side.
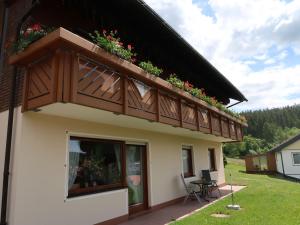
(212, 160)
(190, 172)
(293, 159)
(101, 188)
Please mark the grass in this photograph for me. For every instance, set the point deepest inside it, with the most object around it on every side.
(236, 161)
(267, 200)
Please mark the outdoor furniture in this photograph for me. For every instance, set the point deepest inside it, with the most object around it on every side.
(204, 188)
(211, 184)
(190, 192)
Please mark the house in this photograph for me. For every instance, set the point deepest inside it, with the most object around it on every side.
(288, 157)
(284, 159)
(89, 138)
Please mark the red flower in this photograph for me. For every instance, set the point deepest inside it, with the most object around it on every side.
(187, 85)
(36, 27)
(129, 47)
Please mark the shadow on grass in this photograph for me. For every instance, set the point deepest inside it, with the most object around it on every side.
(284, 177)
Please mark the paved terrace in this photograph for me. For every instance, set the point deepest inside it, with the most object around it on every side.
(177, 211)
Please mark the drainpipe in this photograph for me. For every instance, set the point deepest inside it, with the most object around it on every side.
(10, 124)
(4, 29)
(282, 163)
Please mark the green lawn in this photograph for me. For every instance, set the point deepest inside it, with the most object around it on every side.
(266, 201)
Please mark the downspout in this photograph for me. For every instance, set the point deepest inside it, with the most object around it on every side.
(3, 32)
(10, 124)
(282, 163)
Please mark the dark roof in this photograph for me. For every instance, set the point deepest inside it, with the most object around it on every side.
(152, 38)
(285, 143)
(235, 93)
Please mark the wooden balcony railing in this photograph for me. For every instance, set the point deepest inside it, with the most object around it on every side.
(63, 67)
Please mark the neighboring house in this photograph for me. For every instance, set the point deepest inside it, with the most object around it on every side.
(288, 157)
(95, 138)
(284, 159)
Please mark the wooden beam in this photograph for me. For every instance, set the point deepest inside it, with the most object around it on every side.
(125, 95)
(220, 122)
(157, 105)
(210, 120)
(197, 118)
(180, 112)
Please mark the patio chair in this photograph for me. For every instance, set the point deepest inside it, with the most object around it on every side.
(190, 192)
(211, 184)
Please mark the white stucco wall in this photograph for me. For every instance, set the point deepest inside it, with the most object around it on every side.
(289, 168)
(39, 181)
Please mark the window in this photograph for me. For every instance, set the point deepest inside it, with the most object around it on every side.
(187, 161)
(95, 165)
(212, 159)
(296, 158)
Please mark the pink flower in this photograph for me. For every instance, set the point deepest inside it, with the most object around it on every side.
(129, 47)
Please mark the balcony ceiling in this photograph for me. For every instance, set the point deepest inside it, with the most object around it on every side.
(152, 37)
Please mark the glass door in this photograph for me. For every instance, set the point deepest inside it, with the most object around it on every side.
(136, 176)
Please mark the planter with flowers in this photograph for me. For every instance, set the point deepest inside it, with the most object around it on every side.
(112, 43)
(29, 35)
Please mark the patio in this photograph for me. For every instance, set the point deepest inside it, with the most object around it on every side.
(177, 211)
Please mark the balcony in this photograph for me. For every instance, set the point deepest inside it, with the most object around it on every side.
(65, 68)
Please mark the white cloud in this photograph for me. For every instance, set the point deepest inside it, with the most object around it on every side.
(241, 34)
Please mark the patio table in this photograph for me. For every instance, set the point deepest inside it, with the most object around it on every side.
(204, 187)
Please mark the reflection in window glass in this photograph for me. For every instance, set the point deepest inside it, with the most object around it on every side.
(187, 161)
(94, 165)
(296, 158)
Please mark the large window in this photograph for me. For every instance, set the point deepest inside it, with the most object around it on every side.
(212, 159)
(187, 161)
(95, 165)
(296, 158)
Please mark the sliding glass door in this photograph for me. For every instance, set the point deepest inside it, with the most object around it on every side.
(136, 176)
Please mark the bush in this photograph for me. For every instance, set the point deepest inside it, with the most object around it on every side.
(150, 68)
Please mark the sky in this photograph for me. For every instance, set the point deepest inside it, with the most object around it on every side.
(254, 43)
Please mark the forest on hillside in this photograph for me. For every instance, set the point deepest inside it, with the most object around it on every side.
(266, 128)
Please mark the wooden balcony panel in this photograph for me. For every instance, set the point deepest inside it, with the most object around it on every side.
(39, 83)
(73, 71)
(216, 124)
(169, 109)
(97, 85)
(225, 127)
(189, 118)
(232, 130)
(203, 117)
(141, 100)
(239, 132)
